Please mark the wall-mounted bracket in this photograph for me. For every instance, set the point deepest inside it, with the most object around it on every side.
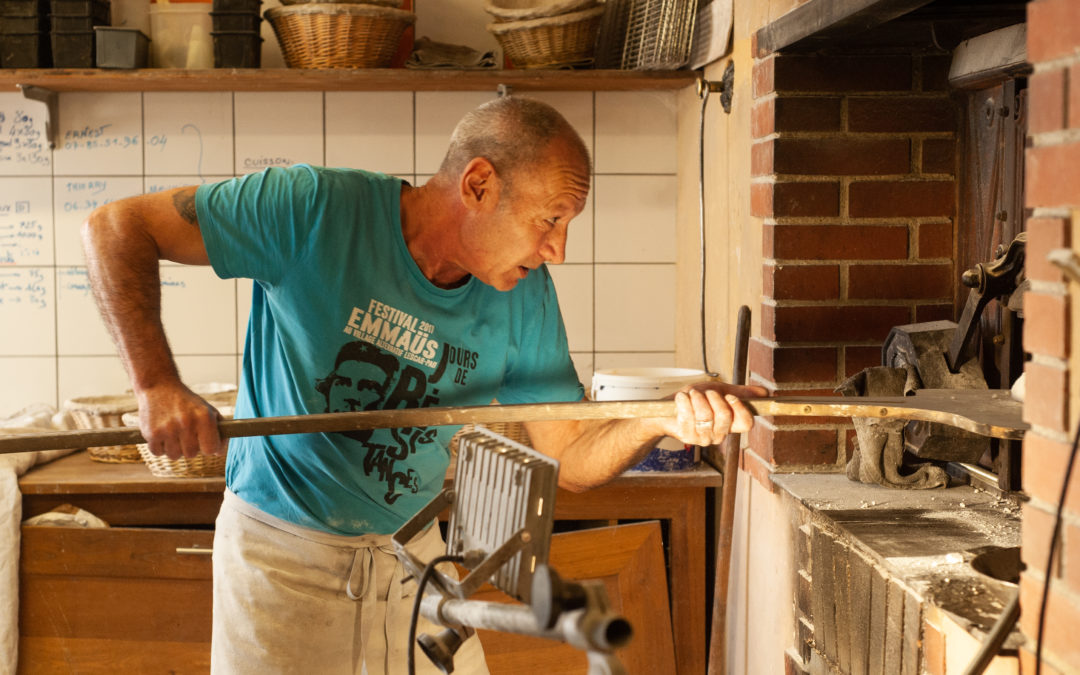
(51, 99)
(725, 87)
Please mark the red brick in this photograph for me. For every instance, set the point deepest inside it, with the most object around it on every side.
(794, 364)
(803, 113)
(939, 156)
(1044, 462)
(761, 158)
(857, 323)
(802, 282)
(1062, 618)
(805, 200)
(898, 199)
(1046, 397)
(1053, 175)
(934, 313)
(763, 79)
(1046, 103)
(1053, 29)
(761, 199)
(902, 114)
(758, 469)
(759, 359)
(839, 156)
(836, 242)
(1046, 324)
(842, 73)
(896, 282)
(1074, 97)
(857, 359)
(1036, 528)
(1045, 235)
(802, 447)
(935, 240)
(935, 73)
(763, 118)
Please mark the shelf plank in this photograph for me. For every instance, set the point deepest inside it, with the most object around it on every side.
(382, 79)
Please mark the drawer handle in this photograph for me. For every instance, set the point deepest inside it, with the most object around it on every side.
(194, 551)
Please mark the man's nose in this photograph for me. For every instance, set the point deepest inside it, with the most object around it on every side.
(554, 246)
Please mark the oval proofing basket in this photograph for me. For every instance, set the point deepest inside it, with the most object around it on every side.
(336, 35)
(199, 466)
(562, 41)
(101, 412)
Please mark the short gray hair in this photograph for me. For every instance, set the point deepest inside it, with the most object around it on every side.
(510, 132)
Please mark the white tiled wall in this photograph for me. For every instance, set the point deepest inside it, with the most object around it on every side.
(617, 286)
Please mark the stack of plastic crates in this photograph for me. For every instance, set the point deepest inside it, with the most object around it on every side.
(237, 43)
(24, 34)
(72, 31)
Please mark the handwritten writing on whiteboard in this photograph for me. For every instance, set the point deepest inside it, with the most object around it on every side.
(23, 287)
(97, 137)
(264, 162)
(84, 195)
(22, 236)
(21, 141)
(78, 279)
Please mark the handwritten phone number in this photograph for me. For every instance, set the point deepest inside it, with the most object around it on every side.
(103, 143)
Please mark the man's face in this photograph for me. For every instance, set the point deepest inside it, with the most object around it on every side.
(357, 385)
(529, 226)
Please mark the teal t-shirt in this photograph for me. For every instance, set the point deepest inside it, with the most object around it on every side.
(342, 319)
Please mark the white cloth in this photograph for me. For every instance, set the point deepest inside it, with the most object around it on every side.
(289, 599)
(39, 417)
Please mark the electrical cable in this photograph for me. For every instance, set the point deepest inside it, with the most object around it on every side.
(704, 92)
(1053, 549)
(415, 618)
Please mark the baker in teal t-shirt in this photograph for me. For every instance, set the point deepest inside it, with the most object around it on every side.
(328, 333)
(368, 293)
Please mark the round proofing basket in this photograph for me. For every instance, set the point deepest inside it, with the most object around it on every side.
(523, 10)
(335, 35)
(102, 412)
(561, 41)
(199, 466)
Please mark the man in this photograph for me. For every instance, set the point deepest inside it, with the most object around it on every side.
(446, 280)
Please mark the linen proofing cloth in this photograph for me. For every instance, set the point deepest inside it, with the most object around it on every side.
(289, 599)
(41, 418)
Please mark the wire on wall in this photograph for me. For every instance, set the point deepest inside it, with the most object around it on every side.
(704, 89)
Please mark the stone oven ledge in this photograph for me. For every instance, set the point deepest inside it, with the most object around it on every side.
(885, 577)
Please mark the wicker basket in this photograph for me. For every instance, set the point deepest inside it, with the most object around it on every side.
(563, 41)
(199, 466)
(523, 10)
(383, 3)
(102, 412)
(515, 431)
(335, 35)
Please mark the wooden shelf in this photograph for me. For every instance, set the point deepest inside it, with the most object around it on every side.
(385, 79)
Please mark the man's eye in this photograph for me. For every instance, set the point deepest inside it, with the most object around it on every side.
(552, 221)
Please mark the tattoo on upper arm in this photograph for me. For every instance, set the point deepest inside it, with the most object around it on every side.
(184, 201)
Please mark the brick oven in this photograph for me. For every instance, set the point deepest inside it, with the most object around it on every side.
(879, 173)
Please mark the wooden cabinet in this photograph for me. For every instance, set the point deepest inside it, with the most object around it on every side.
(117, 600)
(123, 599)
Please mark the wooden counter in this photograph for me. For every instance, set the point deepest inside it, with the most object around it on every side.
(165, 513)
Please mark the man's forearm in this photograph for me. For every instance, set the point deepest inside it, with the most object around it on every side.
(122, 263)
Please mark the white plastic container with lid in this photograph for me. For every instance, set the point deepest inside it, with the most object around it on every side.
(180, 35)
(643, 384)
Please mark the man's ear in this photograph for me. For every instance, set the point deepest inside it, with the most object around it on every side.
(479, 184)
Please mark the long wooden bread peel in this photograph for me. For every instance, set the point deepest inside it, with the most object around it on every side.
(984, 412)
